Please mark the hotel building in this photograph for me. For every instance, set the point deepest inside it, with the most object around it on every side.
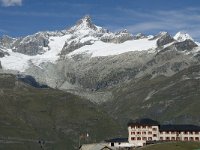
(144, 131)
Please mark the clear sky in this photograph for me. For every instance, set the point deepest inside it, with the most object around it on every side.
(23, 17)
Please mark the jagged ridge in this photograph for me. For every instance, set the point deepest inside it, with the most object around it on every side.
(87, 56)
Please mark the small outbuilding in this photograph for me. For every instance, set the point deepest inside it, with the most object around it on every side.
(119, 143)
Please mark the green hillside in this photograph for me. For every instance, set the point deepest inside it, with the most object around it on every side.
(174, 99)
(29, 114)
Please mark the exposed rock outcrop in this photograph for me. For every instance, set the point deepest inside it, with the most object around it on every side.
(164, 38)
(31, 45)
(118, 37)
(187, 45)
(6, 41)
(139, 36)
(1, 54)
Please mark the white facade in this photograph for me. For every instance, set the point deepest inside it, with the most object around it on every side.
(140, 134)
(180, 136)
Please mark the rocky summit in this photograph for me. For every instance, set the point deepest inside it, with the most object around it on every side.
(93, 62)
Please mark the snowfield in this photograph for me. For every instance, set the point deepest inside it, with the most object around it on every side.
(100, 48)
(21, 62)
(16, 61)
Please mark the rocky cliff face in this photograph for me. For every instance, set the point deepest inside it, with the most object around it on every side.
(90, 58)
(6, 41)
(164, 38)
(187, 45)
(118, 37)
(31, 45)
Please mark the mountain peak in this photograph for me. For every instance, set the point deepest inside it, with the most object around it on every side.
(84, 24)
(182, 36)
(85, 20)
(163, 33)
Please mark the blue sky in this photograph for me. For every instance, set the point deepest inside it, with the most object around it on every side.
(23, 17)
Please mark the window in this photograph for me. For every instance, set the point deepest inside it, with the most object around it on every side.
(196, 132)
(150, 127)
(191, 132)
(133, 138)
(143, 132)
(196, 138)
(185, 138)
(191, 138)
(178, 138)
(150, 138)
(161, 132)
(112, 144)
(185, 132)
(144, 138)
(161, 138)
(173, 138)
(154, 135)
(149, 132)
(138, 138)
(154, 129)
(173, 132)
(132, 133)
(138, 132)
(167, 132)
(167, 138)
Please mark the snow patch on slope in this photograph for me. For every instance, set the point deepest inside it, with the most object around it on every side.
(100, 48)
(182, 36)
(150, 94)
(21, 62)
(56, 44)
(16, 61)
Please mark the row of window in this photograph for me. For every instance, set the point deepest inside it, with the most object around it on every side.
(141, 138)
(167, 138)
(139, 133)
(180, 132)
(191, 138)
(143, 127)
(177, 138)
(149, 132)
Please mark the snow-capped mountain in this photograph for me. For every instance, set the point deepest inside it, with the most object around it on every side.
(48, 46)
(182, 36)
(87, 56)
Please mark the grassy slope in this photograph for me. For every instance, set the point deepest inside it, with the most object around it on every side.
(173, 99)
(174, 146)
(31, 114)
